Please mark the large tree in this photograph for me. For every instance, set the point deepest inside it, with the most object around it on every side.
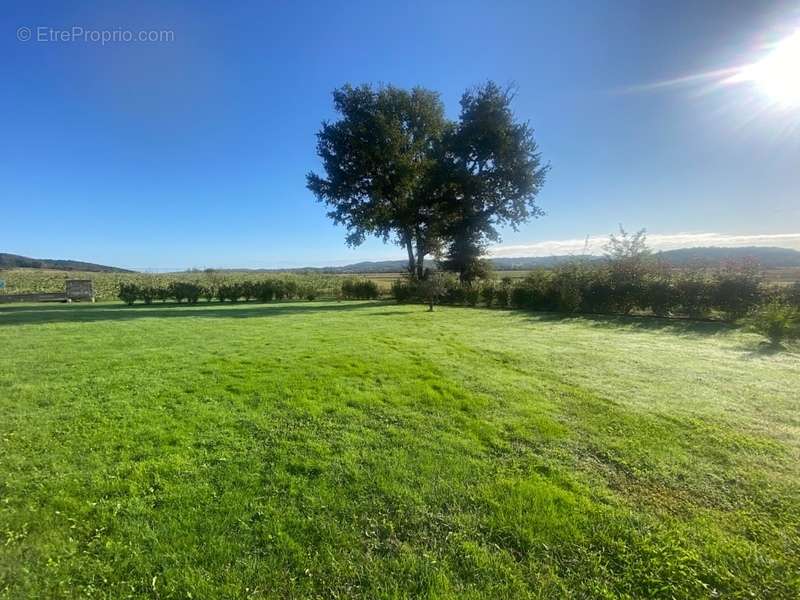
(378, 160)
(488, 177)
(397, 169)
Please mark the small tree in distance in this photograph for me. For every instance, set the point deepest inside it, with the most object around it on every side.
(434, 287)
(628, 258)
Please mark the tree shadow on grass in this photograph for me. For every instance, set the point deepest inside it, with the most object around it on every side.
(764, 349)
(88, 313)
(674, 326)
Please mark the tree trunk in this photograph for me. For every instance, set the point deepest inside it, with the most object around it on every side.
(411, 262)
(420, 258)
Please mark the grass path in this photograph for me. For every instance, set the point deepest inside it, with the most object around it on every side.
(374, 450)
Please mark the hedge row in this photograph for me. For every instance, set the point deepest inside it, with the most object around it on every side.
(729, 293)
(263, 290)
(360, 289)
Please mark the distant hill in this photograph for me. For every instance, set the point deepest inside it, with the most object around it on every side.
(14, 261)
(767, 257)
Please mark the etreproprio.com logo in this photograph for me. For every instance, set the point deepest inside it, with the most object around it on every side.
(43, 34)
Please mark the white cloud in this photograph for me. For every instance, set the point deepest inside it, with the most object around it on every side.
(594, 244)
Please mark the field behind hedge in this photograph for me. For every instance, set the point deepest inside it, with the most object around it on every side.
(375, 450)
(106, 285)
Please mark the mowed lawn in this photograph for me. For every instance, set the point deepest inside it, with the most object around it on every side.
(367, 449)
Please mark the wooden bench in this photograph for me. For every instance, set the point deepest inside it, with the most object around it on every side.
(74, 289)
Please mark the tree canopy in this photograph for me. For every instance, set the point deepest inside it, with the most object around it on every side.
(492, 174)
(396, 168)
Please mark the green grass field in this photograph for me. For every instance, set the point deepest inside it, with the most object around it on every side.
(366, 449)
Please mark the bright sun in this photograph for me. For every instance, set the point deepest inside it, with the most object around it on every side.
(778, 74)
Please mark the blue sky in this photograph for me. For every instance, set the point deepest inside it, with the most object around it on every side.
(193, 152)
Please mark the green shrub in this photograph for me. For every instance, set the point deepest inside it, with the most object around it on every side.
(193, 291)
(502, 294)
(627, 295)
(147, 293)
(264, 290)
(776, 320)
(661, 297)
(538, 291)
(597, 296)
(128, 293)
(406, 290)
(176, 291)
(736, 290)
(453, 292)
(693, 293)
(360, 289)
(487, 294)
(185, 290)
(792, 294)
(248, 290)
(279, 290)
(472, 295)
(435, 286)
(162, 292)
(522, 296)
(229, 291)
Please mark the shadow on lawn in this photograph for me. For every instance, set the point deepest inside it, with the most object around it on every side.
(87, 313)
(680, 327)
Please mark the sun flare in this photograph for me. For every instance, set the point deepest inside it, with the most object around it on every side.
(778, 74)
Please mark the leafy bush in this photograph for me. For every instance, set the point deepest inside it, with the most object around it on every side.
(597, 296)
(776, 320)
(792, 294)
(162, 292)
(487, 294)
(128, 293)
(229, 291)
(264, 291)
(538, 291)
(736, 290)
(248, 290)
(472, 295)
(290, 288)
(568, 287)
(522, 296)
(279, 290)
(185, 290)
(453, 291)
(627, 295)
(406, 290)
(502, 296)
(435, 286)
(148, 293)
(661, 296)
(693, 294)
(192, 291)
(360, 289)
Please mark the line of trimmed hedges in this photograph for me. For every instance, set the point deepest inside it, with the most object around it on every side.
(264, 289)
(188, 291)
(728, 294)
